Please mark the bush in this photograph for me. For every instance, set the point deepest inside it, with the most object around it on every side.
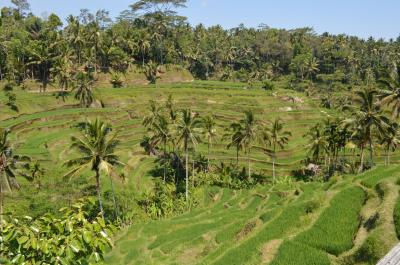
(335, 229)
(268, 85)
(72, 239)
(116, 79)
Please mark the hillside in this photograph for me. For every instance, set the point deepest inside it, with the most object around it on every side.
(348, 220)
(344, 221)
(43, 130)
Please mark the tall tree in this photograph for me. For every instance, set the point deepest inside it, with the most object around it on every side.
(188, 125)
(210, 132)
(161, 134)
(276, 137)
(368, 116)
(318, 145)
(83, 88)
(97, 153)
(249, 134)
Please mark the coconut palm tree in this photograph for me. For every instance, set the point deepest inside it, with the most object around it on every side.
(235, 139)
(187, 127)
(209, 131)
(368, 117)
(97, 153)
(391, 94)
(62, 70)
(318, 145)
(161, 135)
(250, 130)
(276, 137)
(83, 90)
(153, 116)
(391, 140)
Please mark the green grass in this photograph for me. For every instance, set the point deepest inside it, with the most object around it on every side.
(293, 253)
(334, 230)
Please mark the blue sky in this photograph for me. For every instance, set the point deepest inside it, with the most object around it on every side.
(364, 18)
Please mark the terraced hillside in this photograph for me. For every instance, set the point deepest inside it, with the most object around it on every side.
(344, 221)
(43, 127)
(45, 123)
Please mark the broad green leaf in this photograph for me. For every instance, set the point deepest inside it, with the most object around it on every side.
(21, 240)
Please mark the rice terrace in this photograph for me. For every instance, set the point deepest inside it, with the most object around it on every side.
(142, 137)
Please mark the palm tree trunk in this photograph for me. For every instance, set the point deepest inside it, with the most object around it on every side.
(114, 200)
(187, 172)
(193, 170)
(361, 160)
(237, 157)
(208, 158)
(388, 156)
(370, 152)
(165, 157)
(99, 192)
(248, 161)
(273, 170)
(142, 57)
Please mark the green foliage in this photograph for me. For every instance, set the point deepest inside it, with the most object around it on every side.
(268, 85)
(116, 79)
(335, 228)
(73, 238)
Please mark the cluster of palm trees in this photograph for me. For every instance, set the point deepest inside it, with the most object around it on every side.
(170, 129)
(365, 128)
(248, 132)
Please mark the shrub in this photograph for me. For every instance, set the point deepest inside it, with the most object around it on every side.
(268, 85)
(72, 239)
(116, 79)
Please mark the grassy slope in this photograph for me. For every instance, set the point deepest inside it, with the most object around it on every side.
(318, 225)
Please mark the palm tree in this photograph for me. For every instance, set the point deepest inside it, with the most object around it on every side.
(187, 126)
(209, 131)
(161, 134)
(318, 144)
(144, 45)
(236, 136)
(391, 140)
(368, 116)
(391, 95)
(312, 67)
(83, 88)
(97, 149)
(249, 134)
(276, 137)
(153, 116)
(9, 164)
(63, 73)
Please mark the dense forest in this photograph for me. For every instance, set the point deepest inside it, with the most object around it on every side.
(151, 33)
